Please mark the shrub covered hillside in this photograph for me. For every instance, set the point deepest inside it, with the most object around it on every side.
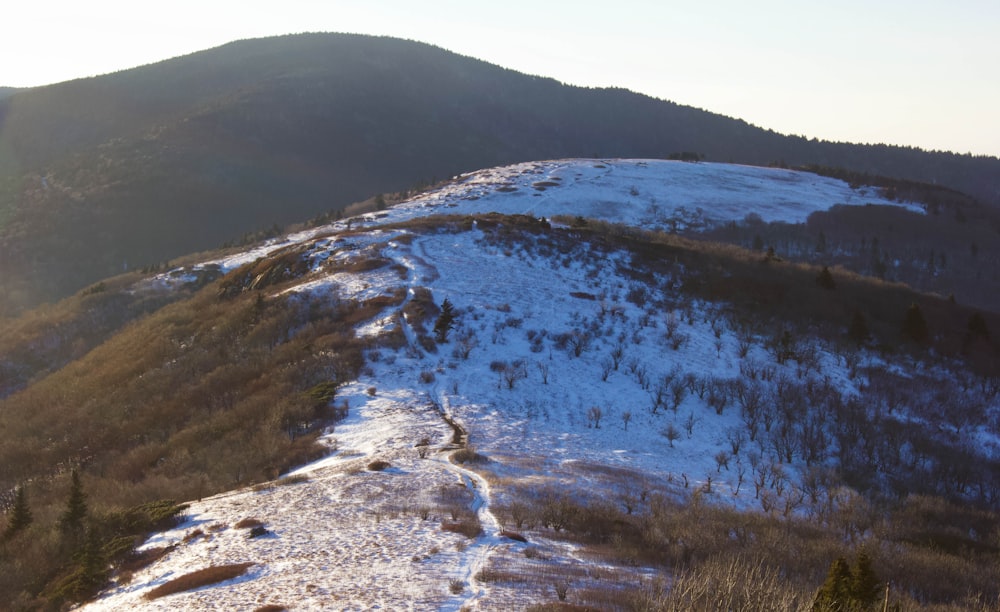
(495, 410)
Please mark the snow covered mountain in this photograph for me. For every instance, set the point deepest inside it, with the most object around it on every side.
(587, 370)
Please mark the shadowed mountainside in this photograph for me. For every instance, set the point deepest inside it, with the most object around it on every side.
(132, 168)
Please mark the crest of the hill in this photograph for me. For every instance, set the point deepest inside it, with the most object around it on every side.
(127, 170)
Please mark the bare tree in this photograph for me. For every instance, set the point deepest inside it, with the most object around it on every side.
(735, 437)
(607, 365)
(689, 424)
(626, 417)
(721, 461)
(671, 434)
(594, 415)
(678, 390)
(657, 396)
(578, 341)
(466, 342)
(617, 355)
(543, 369)
(513, 372)
(672, 324)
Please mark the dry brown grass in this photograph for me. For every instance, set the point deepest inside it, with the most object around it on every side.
(198, 579)
(468, 526)
(378, 465)
(144, 558)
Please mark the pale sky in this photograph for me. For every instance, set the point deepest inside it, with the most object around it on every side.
(907, 72)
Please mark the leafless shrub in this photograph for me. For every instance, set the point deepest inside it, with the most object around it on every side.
(689, 424)
(671, 433)
(576, 341)
(378, 465)
(464, 345)
(423, 447)
(594, 415)
(292, 480)
(193, 535)
(510, 372)
(678, 390)
(533, 552)
(672, 324)
(617, 355)
(513, 535)
(468, 455)
(144, 558)
(248, 523)
(721, 460)
(468, 526)
(607, 365)
(543, 370)
(725, 583)
(562, 589)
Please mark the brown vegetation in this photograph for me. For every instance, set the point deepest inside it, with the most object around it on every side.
(211, 393)
(198, 579)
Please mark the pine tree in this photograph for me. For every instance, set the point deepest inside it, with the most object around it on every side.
(835, 593)
(914, 325)
(865, 584)
(977, 327)
(848, 588)
(89, 572)
(825, 279)
(445, 321)
(858, 330)
(71, 521)
(20, 513)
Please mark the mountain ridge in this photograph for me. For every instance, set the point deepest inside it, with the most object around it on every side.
(137, 167)
(610, 401)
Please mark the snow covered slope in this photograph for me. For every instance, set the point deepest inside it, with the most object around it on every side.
(652, 194)
(567, 374)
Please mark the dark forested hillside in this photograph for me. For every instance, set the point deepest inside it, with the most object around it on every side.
(120, 171)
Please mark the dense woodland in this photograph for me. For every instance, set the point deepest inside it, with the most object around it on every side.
(114, 173)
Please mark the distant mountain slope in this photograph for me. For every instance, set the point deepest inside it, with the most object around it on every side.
(127, 169)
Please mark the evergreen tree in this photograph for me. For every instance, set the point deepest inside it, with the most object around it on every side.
(821, 243)
(445, 321)
(835, 593)
(858, 330)
(914, 325)
(89, 573)
(847, 588)
(977, 327)
(865, 584)
(71, 521)
(20, 513)
(825, 279)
